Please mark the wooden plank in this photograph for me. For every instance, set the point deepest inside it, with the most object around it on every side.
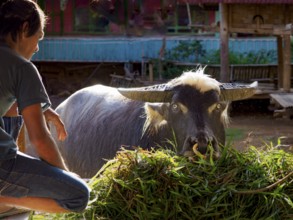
(283, 99)
(224, 45)
(256, 31)
(287, 63)
(280, 61)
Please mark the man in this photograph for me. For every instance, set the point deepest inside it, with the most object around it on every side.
(37, 184)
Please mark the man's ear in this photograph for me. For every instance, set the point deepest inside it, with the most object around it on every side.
(24, 29)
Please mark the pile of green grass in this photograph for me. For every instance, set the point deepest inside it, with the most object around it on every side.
(256, 184)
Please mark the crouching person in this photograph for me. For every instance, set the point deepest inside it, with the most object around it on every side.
(42, 184)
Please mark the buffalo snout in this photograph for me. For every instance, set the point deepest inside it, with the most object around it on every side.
(200, 143)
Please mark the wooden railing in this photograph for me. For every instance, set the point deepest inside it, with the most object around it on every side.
(246, 73)
(265, 74)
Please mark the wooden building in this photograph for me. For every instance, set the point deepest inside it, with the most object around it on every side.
(256, 17)
(122, 17)
(81, 41)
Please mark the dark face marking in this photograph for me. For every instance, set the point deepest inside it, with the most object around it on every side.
(196, 102)
(196, 126)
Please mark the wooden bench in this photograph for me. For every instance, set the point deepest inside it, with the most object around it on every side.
(283, 103)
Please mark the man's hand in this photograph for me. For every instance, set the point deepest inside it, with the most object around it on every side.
(52, 116)
(40, 135)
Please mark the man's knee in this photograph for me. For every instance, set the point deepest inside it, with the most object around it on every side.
(78, 203)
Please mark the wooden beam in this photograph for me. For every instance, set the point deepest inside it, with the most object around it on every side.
(270, 31)
(287, 63)
(224, 43)
(151, 72)
(280, 61)
(283, 29)
(264, 29)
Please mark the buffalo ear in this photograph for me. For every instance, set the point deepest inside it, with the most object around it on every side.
(156, 114)
(156, 93)
(157, 109)
(235, 91)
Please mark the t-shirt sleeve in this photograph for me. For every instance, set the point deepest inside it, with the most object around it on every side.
(30, 89)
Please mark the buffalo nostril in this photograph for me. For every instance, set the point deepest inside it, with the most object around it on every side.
(192, 140)
(198, 144)
(202, 148)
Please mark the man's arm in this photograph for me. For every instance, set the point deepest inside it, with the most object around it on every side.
(40, 136)
(12, 112)
(52, 116)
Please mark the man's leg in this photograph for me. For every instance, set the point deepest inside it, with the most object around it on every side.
(33, 184)
(32, 203)
(4, 208)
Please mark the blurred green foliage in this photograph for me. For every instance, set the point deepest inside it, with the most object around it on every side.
(193, 52)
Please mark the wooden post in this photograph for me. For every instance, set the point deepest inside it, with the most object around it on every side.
(160, 68)
(280, 61)
(287, 63)
(224, 43)
(151, 72)
(161, 57)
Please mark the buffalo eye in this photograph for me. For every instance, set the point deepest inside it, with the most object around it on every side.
(175, 108)
(218, 106)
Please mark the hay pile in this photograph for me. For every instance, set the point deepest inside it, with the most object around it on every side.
(160, 185)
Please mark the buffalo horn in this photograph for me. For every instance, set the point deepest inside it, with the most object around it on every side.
(156, 93)
(234, 91)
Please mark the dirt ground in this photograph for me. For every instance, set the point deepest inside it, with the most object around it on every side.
(252, 123)
(260, 130)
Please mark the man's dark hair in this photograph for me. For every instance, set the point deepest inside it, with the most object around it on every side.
(14, 13)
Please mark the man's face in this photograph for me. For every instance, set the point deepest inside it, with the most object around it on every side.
(30, 45)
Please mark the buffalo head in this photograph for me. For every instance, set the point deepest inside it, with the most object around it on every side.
(193, 106)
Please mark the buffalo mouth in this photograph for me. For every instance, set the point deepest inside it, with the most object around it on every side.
(193, 147)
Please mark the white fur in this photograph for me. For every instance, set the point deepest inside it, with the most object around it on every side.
(197, 79)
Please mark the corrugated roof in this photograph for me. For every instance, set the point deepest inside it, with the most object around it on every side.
(239, 1)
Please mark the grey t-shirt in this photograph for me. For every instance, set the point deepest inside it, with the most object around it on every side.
(20, 81)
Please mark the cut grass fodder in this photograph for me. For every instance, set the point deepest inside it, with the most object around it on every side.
(140, 184)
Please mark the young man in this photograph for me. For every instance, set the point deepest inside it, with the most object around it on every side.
(38, 184)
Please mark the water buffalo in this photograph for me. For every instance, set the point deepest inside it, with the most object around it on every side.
(190, 110)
